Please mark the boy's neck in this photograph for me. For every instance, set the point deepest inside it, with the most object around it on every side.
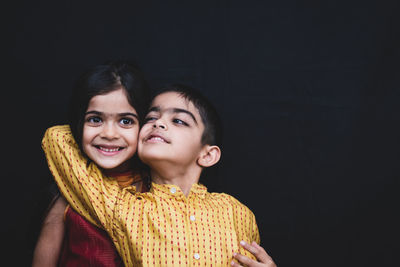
(183, 179)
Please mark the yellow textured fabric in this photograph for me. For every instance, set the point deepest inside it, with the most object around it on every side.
(162, 227)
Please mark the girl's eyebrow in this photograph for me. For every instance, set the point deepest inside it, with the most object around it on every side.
(128, 114)
(174, 110)
(94, 112)
(123, 114)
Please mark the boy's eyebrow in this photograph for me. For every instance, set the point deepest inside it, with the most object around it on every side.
(155, 109)
(123, 114)
(174, 110)
(179, 110)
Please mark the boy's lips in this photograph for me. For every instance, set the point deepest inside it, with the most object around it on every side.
(156, 138)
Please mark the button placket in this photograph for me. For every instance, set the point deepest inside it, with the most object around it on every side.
(189, 219)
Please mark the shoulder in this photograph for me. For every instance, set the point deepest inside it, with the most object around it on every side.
(230, 200)
(224, 196)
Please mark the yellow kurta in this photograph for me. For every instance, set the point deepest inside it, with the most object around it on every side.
(162, 227)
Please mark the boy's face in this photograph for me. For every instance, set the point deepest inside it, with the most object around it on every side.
(110, 131)
(172, 132)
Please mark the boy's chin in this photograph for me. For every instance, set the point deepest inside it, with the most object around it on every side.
(154, 159)
(151, 153)
(151, 158)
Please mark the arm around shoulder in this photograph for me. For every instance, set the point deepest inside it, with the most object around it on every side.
(81, 184)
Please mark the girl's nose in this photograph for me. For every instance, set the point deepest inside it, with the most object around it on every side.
(109, 131)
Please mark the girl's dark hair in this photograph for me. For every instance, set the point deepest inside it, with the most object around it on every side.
(100, 80)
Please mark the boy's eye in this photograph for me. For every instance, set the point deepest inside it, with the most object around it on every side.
(178, 121)
(148, 119)
(94, 120)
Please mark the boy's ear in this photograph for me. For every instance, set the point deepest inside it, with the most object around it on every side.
(209, 156)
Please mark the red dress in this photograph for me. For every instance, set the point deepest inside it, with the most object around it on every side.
(87, 245)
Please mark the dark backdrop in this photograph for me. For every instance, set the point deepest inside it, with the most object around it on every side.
(308, 92)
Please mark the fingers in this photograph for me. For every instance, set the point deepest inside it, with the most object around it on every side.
(242, 259)
(235, 264)
(256, 250)
(259, 252)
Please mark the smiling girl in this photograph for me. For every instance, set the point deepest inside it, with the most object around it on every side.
(107, 107)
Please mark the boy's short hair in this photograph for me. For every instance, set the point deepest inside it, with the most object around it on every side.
(212, 134)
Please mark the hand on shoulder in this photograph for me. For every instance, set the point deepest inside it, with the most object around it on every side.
(263, 259)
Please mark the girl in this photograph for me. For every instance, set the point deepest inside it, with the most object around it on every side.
(108, 105)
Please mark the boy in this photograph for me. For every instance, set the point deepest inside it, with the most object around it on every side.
(178, 222)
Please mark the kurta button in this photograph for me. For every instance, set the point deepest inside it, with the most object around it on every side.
(192, 218)
(196, 256)
(173, 190)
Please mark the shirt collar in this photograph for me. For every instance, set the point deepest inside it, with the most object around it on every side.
(173, 191)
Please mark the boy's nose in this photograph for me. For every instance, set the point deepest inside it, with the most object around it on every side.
(160, 124)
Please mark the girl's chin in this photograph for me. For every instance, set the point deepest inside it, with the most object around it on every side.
(108, 165)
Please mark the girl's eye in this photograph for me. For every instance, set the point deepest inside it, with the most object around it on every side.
(181, 122)
(127, 121)
(94, 120)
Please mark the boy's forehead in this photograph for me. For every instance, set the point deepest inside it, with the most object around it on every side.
(173, 100)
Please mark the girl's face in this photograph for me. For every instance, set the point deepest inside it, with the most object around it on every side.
(110, 131)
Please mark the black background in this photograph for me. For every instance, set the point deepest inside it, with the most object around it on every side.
(308, 92)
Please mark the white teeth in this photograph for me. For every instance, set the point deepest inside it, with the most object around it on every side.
(156, 138)
(109, 149)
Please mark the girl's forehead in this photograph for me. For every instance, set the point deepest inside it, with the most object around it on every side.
(113, 101)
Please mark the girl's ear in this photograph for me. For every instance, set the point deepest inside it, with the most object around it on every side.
(209, 156)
